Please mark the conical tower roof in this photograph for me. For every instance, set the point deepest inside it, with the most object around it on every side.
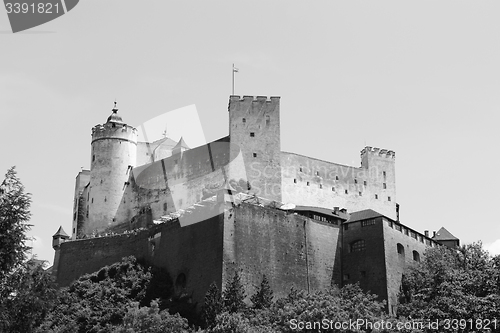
(61, 233)
(181, 145)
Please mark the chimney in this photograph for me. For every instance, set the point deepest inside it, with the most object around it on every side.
(336, 210)
(343, 210)
(426, 232)
(434, 234)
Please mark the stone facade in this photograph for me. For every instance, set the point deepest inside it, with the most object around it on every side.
(126, 204)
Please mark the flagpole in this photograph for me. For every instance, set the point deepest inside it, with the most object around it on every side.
(233, 79)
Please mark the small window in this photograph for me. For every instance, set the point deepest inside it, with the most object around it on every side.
(401, 249)
(360, 194)
(92, 200)
(346, 192)
(346, 226)
(300, 169)
(364, 182)
(391, 224)
(406, 232)
(398, 227)
(336, 177)
(307, 183)
(244, 120)
(254, 154)
(268, 120)
(384, 186)
(317, 173)
(74, 230)
(295, 181)
(384, 173)
(333, 189)
(93, 158)
(366, 223)
(416, 256)
(358, 246)
(388, 198)
(320, 186)
(376, 196)
(252, 134)
(355, 181)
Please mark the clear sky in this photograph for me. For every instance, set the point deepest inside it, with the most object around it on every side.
(421, 78)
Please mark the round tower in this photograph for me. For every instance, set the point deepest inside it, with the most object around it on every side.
(114, 148)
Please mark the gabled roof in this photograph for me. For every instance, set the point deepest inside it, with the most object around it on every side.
(444, 234)
(324, 211)
(61, 233)
(364, 215)
(181, 144)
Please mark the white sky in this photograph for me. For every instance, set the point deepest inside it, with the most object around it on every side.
(420, 78)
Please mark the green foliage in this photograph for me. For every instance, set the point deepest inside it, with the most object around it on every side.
(264, 296)
(14, 217)
(151, 320)
(212, 305)
(462, 283)
(234, 294)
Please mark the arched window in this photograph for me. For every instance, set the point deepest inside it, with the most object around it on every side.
(401, 250)
(358, 246)
(416, 256)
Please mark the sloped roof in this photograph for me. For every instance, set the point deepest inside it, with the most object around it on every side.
(364, 215)
(324, 211)
(181, 144)
(444, 234)
(61, 233)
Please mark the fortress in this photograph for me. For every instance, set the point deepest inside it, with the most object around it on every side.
(239, 204)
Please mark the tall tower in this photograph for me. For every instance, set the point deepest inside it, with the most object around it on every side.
(380, 167)
(254, 126)
(114, 148)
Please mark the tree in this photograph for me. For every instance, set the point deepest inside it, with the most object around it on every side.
(26, 290)
(263, 298)
(212, 305)
(97, 302)
(29, 295)
(14, 217)
(234, 294)
(452, 283)
(149, 319)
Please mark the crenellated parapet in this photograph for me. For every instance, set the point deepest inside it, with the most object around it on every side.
(377, 152)
(268, 99)
(114, 131)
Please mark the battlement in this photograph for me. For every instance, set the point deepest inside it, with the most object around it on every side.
(268, 99)
(114, 131)
(378, 152)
